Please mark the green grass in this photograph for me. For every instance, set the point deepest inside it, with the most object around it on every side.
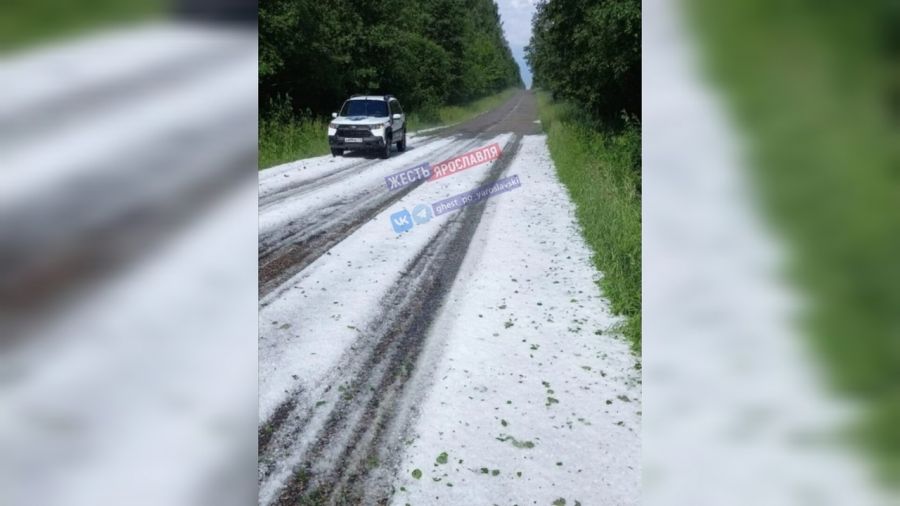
(601, 169)
(25, 23)
(282, 141)
(811, 86)
(284, 138)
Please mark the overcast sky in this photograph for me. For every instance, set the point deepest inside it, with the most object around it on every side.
(516, 16)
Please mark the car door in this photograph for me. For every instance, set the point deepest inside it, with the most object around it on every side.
(397, 124)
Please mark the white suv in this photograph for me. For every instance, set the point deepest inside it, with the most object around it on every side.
(371, 122)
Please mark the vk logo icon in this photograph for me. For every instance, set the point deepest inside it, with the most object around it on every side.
(401, 221)
(422, 214)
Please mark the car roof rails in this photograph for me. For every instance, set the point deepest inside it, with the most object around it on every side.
(386, 97)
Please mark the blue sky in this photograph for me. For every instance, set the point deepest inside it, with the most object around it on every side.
(516, 16)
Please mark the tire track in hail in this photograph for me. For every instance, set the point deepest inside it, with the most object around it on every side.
(278, 238)
(17, 123)
(318, 233)
(345, 429)
(303, 187)
(306, 186)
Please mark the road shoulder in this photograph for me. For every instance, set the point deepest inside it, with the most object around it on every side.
(533, 398)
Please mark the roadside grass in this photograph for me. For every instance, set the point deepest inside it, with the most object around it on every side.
(26, 23)
(601, 169)
(285, 137)
(811, 87)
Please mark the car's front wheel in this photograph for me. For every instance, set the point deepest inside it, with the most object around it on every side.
(401, 144)
(337, 152)
(386, 152)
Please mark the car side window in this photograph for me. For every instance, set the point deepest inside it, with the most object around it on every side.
(395, 107)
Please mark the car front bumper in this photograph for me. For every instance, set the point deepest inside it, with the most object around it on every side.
(371, 142)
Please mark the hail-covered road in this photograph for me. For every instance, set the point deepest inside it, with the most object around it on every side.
(127, 280)
(467, 360)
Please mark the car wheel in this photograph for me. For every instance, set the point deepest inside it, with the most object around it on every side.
(401, 145)
(387, 149)
(337, 152)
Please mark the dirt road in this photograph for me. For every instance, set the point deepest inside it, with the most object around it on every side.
(465, 360)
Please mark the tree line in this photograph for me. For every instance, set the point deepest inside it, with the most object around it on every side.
(313, 54)
(589, 52)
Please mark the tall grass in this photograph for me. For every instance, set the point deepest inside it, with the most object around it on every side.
(284, 139)
(601, 169)
(285, 136)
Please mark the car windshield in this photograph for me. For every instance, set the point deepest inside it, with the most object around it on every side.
(377, 108)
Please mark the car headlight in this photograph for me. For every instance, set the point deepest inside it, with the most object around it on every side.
(379, 126)
(333, 125)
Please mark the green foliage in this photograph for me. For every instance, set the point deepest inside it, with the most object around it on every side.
(429, 54)
(813, 84)
(284, 136)
(26, 22)
(601, 170)
(590, 53)
(436, 56)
